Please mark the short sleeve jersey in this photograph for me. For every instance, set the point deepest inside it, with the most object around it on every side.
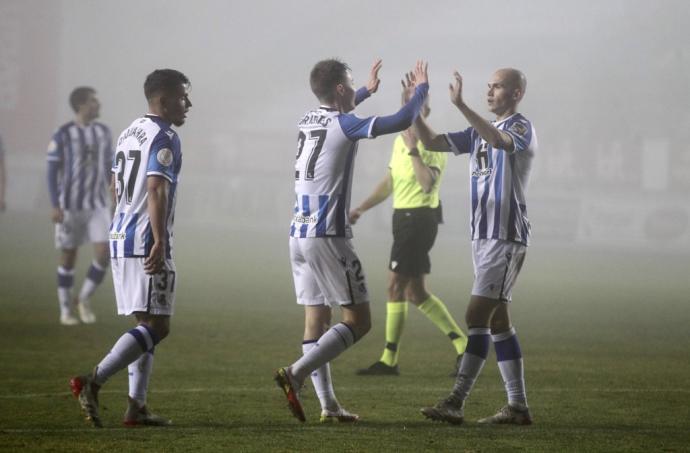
(326, 150)
(148, 147)
(84, 155)
(499, 180)
(407, 192)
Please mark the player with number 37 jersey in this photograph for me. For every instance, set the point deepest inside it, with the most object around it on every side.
(147, 147)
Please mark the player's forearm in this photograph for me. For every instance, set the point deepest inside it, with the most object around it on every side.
(361, 94)
(423, 174)
(52, 175)
(380, 193)
(157, 199)
(496, 138)
(430, 139)
(404, 117)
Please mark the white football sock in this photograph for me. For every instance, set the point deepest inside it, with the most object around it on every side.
(126, 350)
(472, 361)
(94, 277)
(65, 278)
(331, 344)
(509, 357)
(321, 379)
(139, 376)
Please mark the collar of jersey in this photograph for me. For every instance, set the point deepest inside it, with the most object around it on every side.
(496, 123)
(157, 119)
(328, 109)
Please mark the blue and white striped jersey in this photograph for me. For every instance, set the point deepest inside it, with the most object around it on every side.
(148, 147)
(498, 180)
(326, 149)
(84, 155)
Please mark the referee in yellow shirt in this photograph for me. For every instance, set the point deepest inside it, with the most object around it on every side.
(414, 179)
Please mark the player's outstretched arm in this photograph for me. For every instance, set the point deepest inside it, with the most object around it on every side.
(382, 191)
(430, 139)
(406, 115)
(496, 138)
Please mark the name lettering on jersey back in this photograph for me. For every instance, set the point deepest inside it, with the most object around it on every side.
(135, 132)
(311, 119)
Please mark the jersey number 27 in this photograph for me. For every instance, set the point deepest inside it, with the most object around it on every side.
(316, 139)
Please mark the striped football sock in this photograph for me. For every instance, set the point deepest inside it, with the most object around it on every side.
(126, 350)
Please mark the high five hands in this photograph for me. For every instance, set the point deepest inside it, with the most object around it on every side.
(415, 78)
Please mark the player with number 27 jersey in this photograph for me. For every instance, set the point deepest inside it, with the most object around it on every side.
(326, 149)
(148, 147)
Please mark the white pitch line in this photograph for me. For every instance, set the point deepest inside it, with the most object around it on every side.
(389, 387)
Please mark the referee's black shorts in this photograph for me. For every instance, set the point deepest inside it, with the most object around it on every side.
(414, 233)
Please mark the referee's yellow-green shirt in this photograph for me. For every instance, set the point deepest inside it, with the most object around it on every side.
(407, 192)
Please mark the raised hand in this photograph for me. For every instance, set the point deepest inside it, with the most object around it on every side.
(374, 81)
(456, 89)
(407, 87)
(421, 72)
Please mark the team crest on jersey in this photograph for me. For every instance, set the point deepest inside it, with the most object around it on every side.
(519, 129)
(165, 157)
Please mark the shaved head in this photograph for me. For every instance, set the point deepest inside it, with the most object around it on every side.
(514, 78)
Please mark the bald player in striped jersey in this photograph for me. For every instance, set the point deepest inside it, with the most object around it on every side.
(325, 267)
(501, 154)
(79, 159)
(146, 173)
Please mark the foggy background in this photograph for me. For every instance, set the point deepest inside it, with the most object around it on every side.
(607, 92)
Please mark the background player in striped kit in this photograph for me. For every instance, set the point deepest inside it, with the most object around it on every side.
(414, 179)
(325, 267)
(501, 154)
(146, 170)
(79, 159)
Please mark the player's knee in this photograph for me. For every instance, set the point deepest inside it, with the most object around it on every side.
(362, 327)
(476, 318)
(499, 325)
(162, 331)
(415, 295)
(395, 290)
(161, 328)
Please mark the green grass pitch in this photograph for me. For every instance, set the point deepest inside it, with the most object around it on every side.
(604, 334)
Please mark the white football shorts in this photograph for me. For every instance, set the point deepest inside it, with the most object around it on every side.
(497, 264)
(327, 271)
(79, 226)
(135, 290)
